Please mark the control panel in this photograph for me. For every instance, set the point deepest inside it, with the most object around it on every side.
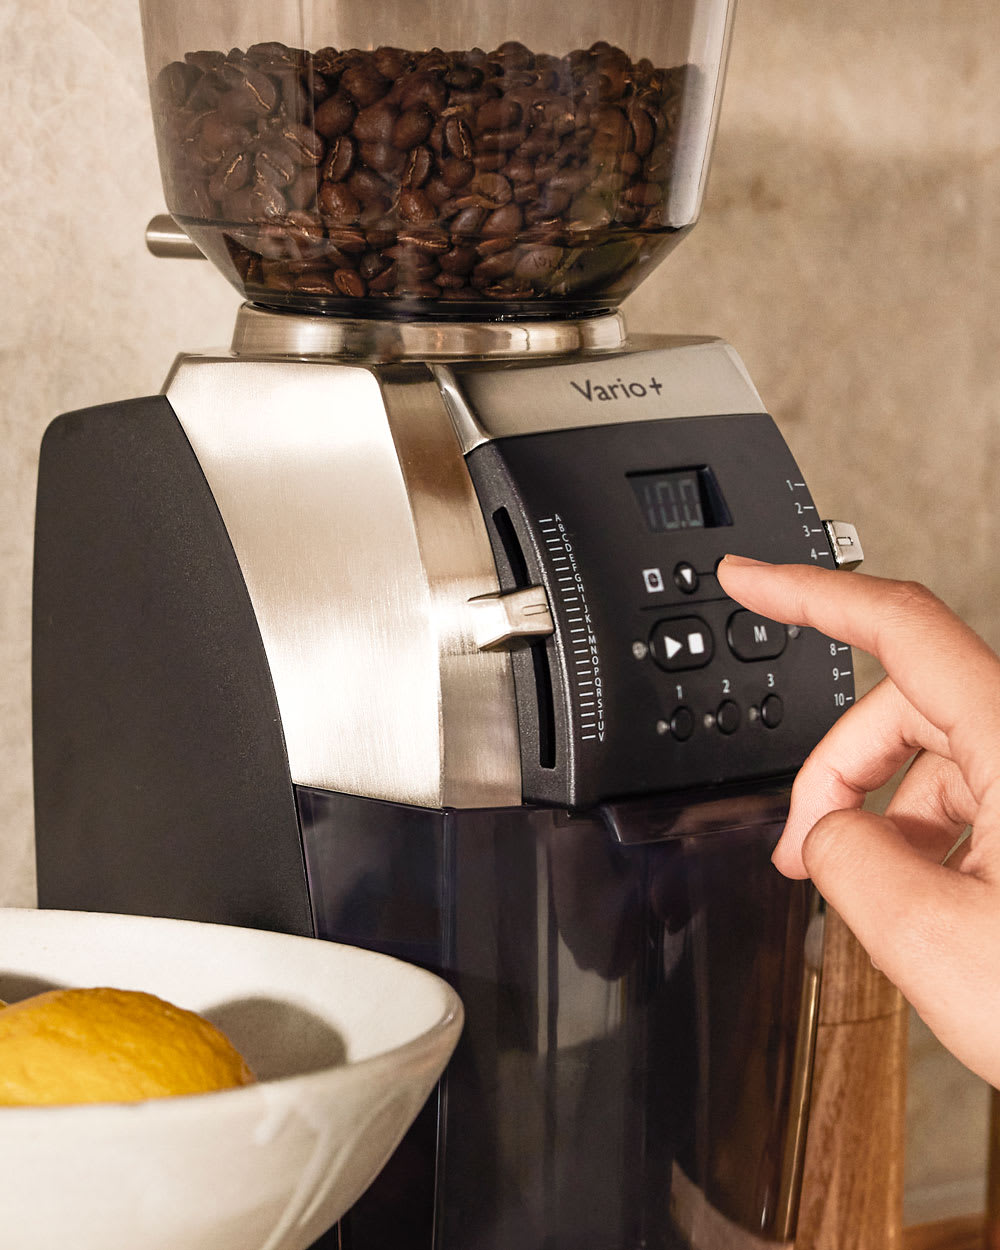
(652, 679)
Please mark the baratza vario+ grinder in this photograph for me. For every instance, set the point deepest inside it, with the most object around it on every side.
(397, 623)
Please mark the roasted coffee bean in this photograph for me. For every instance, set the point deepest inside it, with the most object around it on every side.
(418, 169)
(493, 189)
(232, 174)
(335, 116)
(339, 158)
(382, 157)
(439, 193)
(350, 283)
(457, 172)
(494, 267)
(364, 84)
(500, 113)
(347, 240)
(422, 88)
(338, 203)
(309, 148)
(464, 78)
(385, 281)
(500, 140)
(276, 162)
(255, 96)
(489, 162)
(414, 206)
(412, 126)
(458, 261)
(458, 138)
(506, 220)
(431, 241)
(375, 123)
(644, 194)
(537, 264)
(643, 130)
(368, 185)
(391, 62)
(468, 221)
(302, 192)
(174, 83)
(372, 264)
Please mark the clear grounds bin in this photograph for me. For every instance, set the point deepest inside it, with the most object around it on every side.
(387, 158)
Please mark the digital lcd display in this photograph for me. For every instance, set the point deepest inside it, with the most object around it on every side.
(680, 499)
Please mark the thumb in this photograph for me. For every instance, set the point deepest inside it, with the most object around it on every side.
(933, 931)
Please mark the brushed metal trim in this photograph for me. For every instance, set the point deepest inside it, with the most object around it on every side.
(683, 377)
(262, 332)
(357, 531)
(165, 239)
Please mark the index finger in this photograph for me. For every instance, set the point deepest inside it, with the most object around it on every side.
(940, 665)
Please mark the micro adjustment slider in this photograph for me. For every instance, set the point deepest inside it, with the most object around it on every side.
(515, 619)
(844, 543)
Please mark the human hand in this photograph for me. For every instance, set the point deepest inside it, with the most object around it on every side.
(932, 926)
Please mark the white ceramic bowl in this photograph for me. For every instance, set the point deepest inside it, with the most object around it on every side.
(348, 1046)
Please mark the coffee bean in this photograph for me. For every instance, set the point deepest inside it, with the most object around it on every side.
(414, 206)
(458, 138)
(494, 189)
(382, 157)
(372, 264)
(468, 221)
(347, 240)
(338, 203)
(309, 148)
(335, 116)
(302, 192)
(457, 172)
(422, 88)
(418, 169)
(375, 123)
(500, 140)
(368, 185)
(232, 175)
(412, 126)
(275, 162)
(391, 62)
(497, 266)
(385, 281)
(644, 194)
(506, 220)
(350, 284)
(538, 263)
(364, 84)
(458, 260)
(500, 113)
(339, 158)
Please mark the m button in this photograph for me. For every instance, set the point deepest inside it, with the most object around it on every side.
(753, 637)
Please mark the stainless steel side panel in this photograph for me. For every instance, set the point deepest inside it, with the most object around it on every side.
(360, 540)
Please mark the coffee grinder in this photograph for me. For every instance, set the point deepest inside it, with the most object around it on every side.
(397, 622)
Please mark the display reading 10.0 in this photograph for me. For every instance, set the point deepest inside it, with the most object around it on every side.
(670, 501)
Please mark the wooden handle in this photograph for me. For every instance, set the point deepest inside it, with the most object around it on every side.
(992, 1238)
(852, 1191)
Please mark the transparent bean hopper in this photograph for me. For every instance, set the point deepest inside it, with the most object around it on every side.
(396, 623)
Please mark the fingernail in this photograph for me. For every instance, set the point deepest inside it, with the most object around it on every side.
(743, 561)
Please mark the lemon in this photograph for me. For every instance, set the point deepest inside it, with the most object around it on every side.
(109, 1045)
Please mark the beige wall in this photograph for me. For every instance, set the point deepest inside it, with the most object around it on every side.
(849, 248)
